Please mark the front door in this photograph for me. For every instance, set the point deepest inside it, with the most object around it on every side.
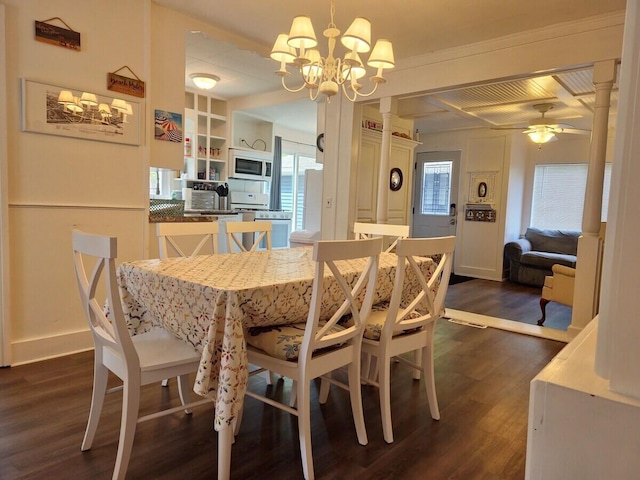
(435, 194)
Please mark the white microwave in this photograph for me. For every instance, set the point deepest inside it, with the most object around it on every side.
(250, 164)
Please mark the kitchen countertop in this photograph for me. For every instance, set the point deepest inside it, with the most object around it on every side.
(209, 216)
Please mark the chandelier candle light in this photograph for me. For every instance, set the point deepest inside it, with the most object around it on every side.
(325, 75)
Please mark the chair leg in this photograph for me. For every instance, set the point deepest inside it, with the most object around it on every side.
(225, 441)
(304, 427)
(384, 382)
(417, 359)
(294, 394)
(543, 307)
(355, 394)
(130, 406)
(325, 385)
(429, 378)
(100, 378)
(184, 389)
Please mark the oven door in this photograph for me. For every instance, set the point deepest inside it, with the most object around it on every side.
(279, 235)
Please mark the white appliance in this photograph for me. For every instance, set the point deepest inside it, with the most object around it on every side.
(250, 164)
(198, 200)
(255, 207)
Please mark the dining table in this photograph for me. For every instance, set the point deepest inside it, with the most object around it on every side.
(210, 301)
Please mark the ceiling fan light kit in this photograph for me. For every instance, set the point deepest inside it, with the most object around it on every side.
(543, 129)
(327, 75)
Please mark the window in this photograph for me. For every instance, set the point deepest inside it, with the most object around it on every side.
(294, 164)
(436, 188)
(160, 182)
(558, 195)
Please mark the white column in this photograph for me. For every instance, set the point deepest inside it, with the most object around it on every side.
(617, 354)
(387, 109)
(588, 268)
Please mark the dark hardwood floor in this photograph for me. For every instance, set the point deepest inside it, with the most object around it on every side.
(482, 378)
(511, 301)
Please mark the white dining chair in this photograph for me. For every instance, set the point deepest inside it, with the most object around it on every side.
(136, 360)
(167, 232)
(371, 230)
(261, 230)
(308, 350)
(394, 328)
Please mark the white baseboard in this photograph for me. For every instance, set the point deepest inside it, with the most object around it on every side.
(475, 319)
(38, 349)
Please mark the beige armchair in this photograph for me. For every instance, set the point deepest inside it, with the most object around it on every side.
(557, 288)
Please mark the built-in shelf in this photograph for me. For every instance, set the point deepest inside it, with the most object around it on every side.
(205, 156)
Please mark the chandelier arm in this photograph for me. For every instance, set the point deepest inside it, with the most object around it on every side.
(292, 90)
(313, 97)
(357, 93)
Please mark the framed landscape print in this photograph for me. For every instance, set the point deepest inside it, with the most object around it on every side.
(68, 112)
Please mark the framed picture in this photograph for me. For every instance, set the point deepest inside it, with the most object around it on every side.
(68, 112)
(482, 187)
(168, 126)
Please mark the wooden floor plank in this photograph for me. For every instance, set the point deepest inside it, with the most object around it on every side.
(482, 378)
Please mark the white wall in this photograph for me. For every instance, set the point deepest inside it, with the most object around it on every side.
(58, 183)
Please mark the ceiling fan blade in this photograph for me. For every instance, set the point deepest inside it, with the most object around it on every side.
(577, 131)
(509, 128)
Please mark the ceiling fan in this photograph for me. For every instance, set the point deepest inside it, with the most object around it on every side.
(543, 129)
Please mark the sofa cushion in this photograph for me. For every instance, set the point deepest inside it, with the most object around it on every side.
(554, 241)
(546, 259)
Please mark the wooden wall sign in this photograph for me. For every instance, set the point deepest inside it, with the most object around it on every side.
(54, 35)
(127, 85)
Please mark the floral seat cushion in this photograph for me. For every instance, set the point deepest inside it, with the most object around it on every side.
(281, 341)
(375, 322)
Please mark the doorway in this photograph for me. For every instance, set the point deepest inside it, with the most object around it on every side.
(435, 194)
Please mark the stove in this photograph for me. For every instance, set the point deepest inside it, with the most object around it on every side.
(272, 215)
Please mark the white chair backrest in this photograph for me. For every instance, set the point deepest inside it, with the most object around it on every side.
(109, 332)
(326, 253)
(235, 231)
(372, 230)
(167, 231)
(429, 299)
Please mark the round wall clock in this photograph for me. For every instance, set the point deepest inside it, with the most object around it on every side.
(395, 179)
(320, 142)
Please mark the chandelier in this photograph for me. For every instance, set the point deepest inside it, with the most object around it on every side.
(326, 75)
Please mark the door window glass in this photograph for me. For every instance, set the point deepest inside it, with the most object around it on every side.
(436, 188)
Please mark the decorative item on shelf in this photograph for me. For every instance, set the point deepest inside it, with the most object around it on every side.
(204, 81)
(371, 125)
(127, 85)
(187, 147)
(326, 75)
(401, 135)
(54, 35)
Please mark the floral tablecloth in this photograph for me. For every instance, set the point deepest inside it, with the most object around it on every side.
(208, 300)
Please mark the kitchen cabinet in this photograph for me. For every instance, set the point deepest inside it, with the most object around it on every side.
(205, 130)
(368, 173)
(251, 132)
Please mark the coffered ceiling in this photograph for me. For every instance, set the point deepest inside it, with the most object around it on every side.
(414, 27)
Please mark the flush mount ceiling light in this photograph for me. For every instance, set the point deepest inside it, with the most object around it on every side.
(204, 81)
(325, 75)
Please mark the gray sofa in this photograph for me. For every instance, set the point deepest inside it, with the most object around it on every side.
(529, 259)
